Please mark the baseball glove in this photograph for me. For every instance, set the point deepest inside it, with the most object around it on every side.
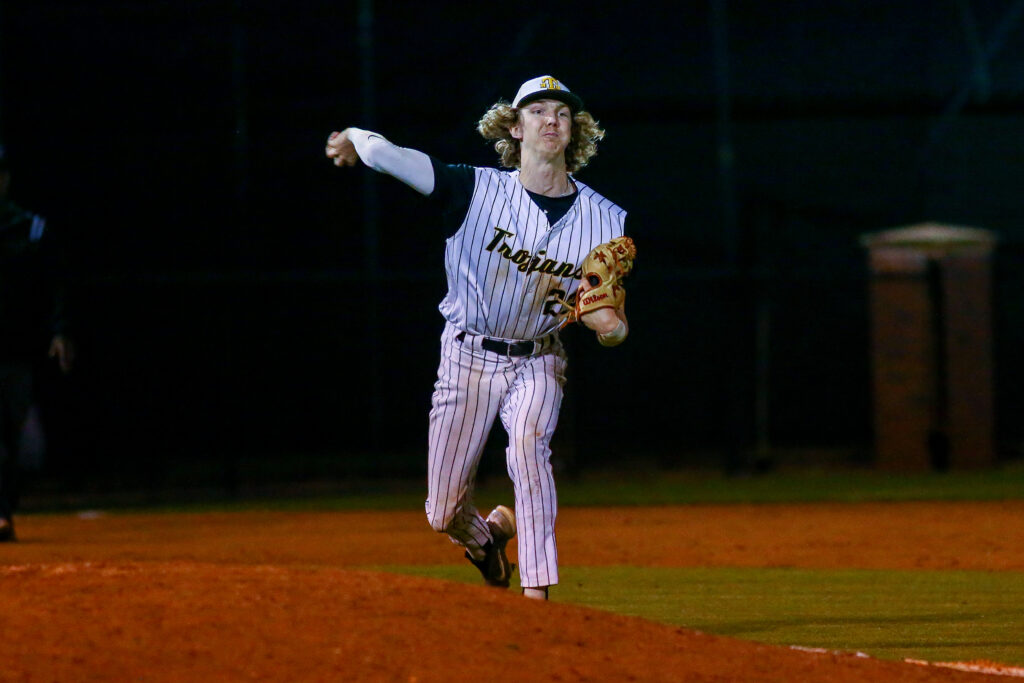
(603, 270)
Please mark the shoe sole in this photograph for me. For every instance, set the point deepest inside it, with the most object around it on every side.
(503, 521)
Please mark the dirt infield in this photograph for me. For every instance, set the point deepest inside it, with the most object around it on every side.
(279, 596)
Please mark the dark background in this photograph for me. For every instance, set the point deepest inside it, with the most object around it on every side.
(248, 311)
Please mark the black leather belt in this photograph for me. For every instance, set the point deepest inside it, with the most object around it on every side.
(512, 349)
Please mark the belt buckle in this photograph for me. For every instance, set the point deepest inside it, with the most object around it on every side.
(509, 346)
(537, 345)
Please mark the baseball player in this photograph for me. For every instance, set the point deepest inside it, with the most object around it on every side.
(514, 263)
(32, 311)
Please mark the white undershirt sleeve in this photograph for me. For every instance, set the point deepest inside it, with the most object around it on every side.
(410, 166)
(615, 337)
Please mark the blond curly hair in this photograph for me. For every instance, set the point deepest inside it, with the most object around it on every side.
(496, 122)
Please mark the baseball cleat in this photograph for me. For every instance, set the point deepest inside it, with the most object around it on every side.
(495, 567)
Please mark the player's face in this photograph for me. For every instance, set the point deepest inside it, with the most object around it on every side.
(544, 126)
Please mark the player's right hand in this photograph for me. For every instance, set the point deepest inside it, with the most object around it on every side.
(340, 148)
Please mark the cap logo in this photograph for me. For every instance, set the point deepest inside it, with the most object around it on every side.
(549, 83)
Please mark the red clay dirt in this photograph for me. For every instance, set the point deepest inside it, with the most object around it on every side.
(279, 596)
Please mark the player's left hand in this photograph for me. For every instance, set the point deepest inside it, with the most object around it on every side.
(340, 148)
(601, 288)
(603, 320)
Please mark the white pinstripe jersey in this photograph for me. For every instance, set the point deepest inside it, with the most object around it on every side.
(506, 263)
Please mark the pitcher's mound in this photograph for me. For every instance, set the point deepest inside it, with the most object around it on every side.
(203, 622)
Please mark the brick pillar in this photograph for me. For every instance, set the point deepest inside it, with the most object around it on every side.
(931, 347)
(967, 283)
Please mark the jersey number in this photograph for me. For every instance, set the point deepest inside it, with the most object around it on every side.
(556, 304)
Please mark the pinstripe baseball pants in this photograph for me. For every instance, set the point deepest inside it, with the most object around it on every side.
(473, 387)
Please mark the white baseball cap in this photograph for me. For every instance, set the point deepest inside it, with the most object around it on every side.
(545, 88)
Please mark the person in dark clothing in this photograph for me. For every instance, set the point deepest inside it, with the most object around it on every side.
(32, 315)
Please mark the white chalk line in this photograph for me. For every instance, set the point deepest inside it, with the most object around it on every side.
(982, 667)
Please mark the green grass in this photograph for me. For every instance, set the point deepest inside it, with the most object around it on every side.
(638, 486)
(648, 487)
(931, 615)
